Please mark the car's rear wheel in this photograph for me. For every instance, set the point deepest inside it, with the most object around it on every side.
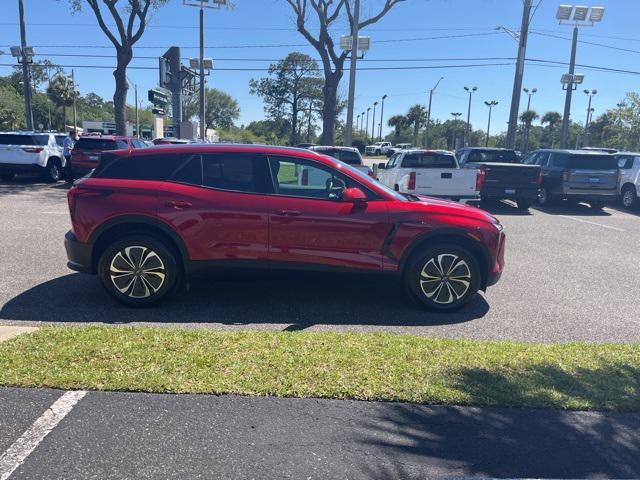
(53, 170)
(443, 277)
(7, 177)
(545, 198)
(139, 270)
(629, 197)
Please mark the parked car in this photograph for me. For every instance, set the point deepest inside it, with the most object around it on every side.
(170, 141)
(397, 148)
(576, 175)
(378, 148)
(503, 177)
(349, 155)
(435, 173)
(629, 178)
(146, 221)
(30, 152)
(86, 151)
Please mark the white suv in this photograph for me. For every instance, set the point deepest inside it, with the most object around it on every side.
(30, 152)
(629, 179)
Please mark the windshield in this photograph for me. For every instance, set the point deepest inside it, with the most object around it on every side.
(13, 139)
(99, 144)
(428, 160)
(366, 178)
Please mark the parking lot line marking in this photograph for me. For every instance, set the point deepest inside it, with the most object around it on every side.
(17, 453)
(592, 223)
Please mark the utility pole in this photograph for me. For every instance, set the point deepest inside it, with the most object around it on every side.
(73, 91)
(366, 127)
(362, 123)
(564, 135)
(25, 69)
(381, 118)
(490, 104)
(517, 81)
(426, 130)
(352, 73)
(135, 89)
(468, 130)
(202, 83)
(373, 123)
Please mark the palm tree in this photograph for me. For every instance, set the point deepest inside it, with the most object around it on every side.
(397, 122)
(552, 119)
(527, 117)
(416, 116)
(61, 93)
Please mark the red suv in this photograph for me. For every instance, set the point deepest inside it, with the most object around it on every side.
(85, 155)
(145, 220)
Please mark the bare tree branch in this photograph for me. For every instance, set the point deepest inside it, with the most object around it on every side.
(96, 10)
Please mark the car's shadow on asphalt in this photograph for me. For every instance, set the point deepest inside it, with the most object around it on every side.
(33, 186)
(296, 300)
(503, 208)
(572, 208)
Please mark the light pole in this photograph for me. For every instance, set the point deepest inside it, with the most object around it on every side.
(590, 94)
(471, 90)
(362, 123)
(25, 58)
(426, 130)
(578, 17)
(530, 93)
(366, 127)
(373, 122)
(490, 104)
(357, 125)
(381, 118)
(352, 72)
(455, 116)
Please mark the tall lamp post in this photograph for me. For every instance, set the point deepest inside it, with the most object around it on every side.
(426, 130)
(455, 116)
(366, 127)
(381, 118)
(578, 17)
(471, 91)
(357, 129)
(530, 93)
(490, 104)
(590, 94)
(362, 123)
(373, 122)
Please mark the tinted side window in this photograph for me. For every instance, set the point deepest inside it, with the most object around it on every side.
(542, 159)
(530, 158)
(242, 172)
(351, 158)
(190, 171)
(558, 160)
(87, 143)
(143, 167)
(625, 162)
(593, 162)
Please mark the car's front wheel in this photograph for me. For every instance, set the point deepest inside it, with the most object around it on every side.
(443, 277)
(53, 170)
(545, 198)
(629, 197)
(139, 270)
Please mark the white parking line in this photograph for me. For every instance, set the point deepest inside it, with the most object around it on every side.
(592, 223)
(17, 453)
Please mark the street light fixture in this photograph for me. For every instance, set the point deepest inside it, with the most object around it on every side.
(489, 104)
(590, 94)
(471, 91)
(579, 16)
(530, 93)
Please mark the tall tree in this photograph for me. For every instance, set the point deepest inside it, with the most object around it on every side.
(416, 116)
(61, 92)
(397, 122)
(130, 18)
(292, 83)
(327, 13)
(527, 117)
(221, 109)
(552, 119)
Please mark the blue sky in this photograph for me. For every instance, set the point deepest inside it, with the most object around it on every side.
(403, 36)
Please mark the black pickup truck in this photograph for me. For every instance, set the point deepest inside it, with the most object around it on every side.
(501, 175)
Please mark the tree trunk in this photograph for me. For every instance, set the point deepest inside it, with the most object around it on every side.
(120, 95)
(416, 127)
(294, 124)
(330, 93)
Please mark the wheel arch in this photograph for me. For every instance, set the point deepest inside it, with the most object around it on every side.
(450, 236)
(132, 224)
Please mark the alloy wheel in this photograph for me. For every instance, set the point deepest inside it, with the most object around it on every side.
(445, 278)
(628, 198)
(137, 271)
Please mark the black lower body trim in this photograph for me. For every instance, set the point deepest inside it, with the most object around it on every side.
(78, 254)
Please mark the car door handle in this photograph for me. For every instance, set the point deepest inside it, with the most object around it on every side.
(288, 213)
(178, 204)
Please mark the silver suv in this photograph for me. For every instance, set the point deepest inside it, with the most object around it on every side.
(30, 152)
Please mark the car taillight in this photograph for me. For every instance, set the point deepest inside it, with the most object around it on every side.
(305, 177)
(539, 180)
(482, 174)
(412, 181)
(33, 149)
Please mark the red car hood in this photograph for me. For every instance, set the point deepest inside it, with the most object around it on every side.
(449, 207)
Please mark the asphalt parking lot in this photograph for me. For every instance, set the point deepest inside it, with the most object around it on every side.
(571, 274)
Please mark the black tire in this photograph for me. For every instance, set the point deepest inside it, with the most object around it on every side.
(523, 204)
(629, 197)
(53, 170)
(545, 198)
(422, 277)
(146, 287)
(7, 177)
(596, 205)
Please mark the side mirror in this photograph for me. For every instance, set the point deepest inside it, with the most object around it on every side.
(382, 166)
(354, 195)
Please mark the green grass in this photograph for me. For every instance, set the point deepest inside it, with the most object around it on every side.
(333, 365)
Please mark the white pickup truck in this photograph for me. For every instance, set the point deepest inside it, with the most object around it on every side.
(629, 180)
(435, 173)
(378, 148)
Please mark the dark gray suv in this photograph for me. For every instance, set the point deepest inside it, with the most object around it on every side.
(576, 175)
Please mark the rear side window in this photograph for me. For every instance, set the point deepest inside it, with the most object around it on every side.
(625, 162)
(593, 162)
(142, 167)
(13, 139)
(350, 158)
(86, 143)
(241, 172)
(428, 160)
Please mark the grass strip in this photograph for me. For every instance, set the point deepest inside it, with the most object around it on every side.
(359, 366)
